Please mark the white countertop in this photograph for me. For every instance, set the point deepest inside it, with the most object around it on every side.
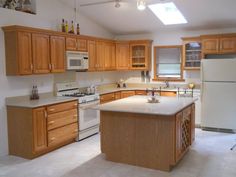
(138, 104)
(45, 99)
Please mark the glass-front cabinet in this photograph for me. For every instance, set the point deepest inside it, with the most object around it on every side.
(140, 54)
(192, 53)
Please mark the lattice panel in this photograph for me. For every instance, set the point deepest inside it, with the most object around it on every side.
(185, 134)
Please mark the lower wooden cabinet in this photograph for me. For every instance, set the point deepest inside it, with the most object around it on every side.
(167, 93)
(125, 94)
(107, 98)
(140, 92)
(185, 130)
(36, 131)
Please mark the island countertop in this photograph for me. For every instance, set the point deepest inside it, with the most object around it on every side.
(138, 104)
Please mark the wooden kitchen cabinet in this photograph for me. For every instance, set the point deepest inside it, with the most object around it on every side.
(24, 55)
(57, 48)
(109, 56)
(92, 55)
(168, 93)
(192, 53)
(219, 44)
(105, 98)
(140, 55)
(76, 44)
(41, 53)
(36, 131)
(117, 95)
(125, 94)
(39, 129)
(122, 55)
(140, 92)
(100, 53)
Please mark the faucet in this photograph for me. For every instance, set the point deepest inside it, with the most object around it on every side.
(167, 84)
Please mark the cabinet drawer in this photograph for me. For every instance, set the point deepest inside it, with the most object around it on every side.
(140, 92)
(187, 112)
(62, 134)
(125, 94)
(117, 95)
(62, 107)
(107, 97)
(62, 118)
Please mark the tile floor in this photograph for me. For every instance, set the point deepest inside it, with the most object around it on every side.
(210, 156)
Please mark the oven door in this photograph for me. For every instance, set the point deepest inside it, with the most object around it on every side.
(88, 117)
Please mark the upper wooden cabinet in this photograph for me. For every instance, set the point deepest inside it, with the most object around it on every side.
(57, 54)
(192, 53)
(29, 51)
(140, 55)
(122, 55)
(109, 56)
(41, 53)
(92, 55)
(219, 44)
(76, 44)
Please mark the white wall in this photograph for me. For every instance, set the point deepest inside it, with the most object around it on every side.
(49, 15)
(174, 38)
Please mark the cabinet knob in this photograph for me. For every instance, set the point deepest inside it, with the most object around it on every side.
(52, 109)
(52, 139)
(76, 104)
(75, 131)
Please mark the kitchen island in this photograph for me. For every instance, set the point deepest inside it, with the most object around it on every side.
(151, 135)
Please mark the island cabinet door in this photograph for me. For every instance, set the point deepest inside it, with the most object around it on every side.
(178, 151)
(39, 130)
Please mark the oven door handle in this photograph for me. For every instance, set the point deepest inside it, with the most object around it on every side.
(88, 106)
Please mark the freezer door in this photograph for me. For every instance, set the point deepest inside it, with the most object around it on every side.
(219, 105)
(218, 70)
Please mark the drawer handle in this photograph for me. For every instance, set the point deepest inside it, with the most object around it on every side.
(52, 109)
(76, 130)
(75, 104)
(53, 138)
(51, 122)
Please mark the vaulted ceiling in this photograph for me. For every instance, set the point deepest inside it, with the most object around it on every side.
(200, 14)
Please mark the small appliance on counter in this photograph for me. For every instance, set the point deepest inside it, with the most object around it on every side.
(121, 83)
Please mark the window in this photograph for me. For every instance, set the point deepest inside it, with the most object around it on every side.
(168, 63)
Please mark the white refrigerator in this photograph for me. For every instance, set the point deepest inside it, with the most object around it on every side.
(218, 93)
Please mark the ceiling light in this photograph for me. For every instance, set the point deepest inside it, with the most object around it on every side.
(141, 4)
(117, 5)
(168, 13)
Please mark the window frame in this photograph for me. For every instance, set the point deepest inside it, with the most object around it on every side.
(174, 79)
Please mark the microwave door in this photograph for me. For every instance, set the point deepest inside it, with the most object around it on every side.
(74, 63)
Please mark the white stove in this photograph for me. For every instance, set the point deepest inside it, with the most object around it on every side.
(88, 118)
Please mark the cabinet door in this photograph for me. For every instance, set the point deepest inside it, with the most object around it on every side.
(100, 51)
(57, 54)
(125, 94)
(169, 94)
(39, 130)
(25, 53)
(178, 151)
(82, 45)
(109, 56)
(107, 98)
(227, 45)
(41, 53)
(71, 44)
(210, 46)
(122, 56)
(92, 55)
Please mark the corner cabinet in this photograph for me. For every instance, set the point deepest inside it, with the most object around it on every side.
(36, 131)
(192, 53)
(29, 51)
(140, 55)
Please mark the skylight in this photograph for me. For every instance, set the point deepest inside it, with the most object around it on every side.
(168, 13)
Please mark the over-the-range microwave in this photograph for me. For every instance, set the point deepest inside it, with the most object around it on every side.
(77, 60)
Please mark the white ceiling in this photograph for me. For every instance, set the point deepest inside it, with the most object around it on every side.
(200, 14)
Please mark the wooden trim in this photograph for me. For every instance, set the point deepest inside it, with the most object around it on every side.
(155, 67)
(169, 79)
